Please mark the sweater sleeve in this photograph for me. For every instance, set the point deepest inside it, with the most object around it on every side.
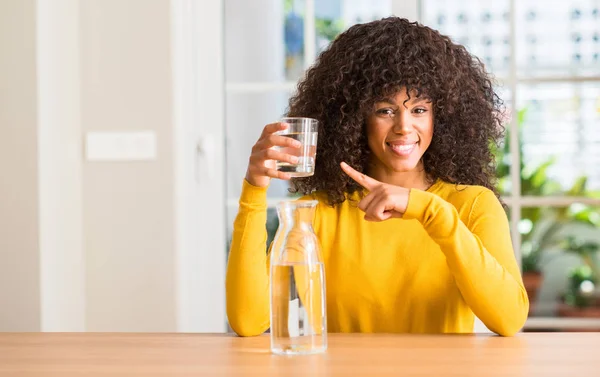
(479, 255)
(247, 279)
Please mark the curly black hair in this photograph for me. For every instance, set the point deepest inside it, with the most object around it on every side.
(374, 60)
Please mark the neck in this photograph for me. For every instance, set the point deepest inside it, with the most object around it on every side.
(416, 178)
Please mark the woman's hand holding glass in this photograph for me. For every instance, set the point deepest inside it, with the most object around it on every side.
(262, 165)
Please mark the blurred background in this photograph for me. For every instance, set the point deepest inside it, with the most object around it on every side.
(126, 127)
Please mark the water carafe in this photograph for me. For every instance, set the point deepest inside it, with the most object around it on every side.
(298, 307)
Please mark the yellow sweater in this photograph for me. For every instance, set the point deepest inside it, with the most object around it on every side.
(449, 258)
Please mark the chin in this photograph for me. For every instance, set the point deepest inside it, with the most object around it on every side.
(403, 167)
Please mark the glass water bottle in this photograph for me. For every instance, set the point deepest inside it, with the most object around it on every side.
(298, 308)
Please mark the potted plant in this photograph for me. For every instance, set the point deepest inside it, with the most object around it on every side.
(534, 181)
(532, 276)
(540, 228)
(582, 298)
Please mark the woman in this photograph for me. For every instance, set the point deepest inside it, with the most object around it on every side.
(413, 234)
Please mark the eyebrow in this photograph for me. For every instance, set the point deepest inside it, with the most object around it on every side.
(386, 100)
(413, 100)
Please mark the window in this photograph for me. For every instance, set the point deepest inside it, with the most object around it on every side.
(268, 45)
(545, 57)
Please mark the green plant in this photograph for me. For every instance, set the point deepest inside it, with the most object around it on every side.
(531, 261)
(540, 227)
(327, 28)
(580, 291)
(272, 225)
(586, 250)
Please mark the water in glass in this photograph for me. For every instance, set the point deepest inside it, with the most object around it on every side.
(305, 130)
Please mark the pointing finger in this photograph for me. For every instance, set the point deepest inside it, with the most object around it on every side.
(360, 178)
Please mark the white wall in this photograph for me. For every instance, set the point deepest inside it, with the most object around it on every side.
(19, 233)
(62, 285)
(92, 246)
(128, 206)
(200, 165)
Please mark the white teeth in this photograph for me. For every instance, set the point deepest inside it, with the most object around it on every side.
(403, 147)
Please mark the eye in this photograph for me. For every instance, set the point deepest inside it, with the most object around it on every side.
(386, 111)
(419, 110)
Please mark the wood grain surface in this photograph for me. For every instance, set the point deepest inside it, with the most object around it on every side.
(92, 354)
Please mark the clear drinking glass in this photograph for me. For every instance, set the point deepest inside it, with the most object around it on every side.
(298, 311)
(304, 130)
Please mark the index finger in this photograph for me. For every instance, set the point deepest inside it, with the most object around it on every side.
(272, 128)
(360, 178)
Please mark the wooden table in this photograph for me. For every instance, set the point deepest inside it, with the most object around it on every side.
(87, 354)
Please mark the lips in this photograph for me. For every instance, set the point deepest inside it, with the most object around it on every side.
(402, 148)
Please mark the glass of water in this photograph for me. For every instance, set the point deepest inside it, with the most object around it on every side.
(305, 130)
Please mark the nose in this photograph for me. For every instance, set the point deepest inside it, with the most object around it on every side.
(403, 122)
